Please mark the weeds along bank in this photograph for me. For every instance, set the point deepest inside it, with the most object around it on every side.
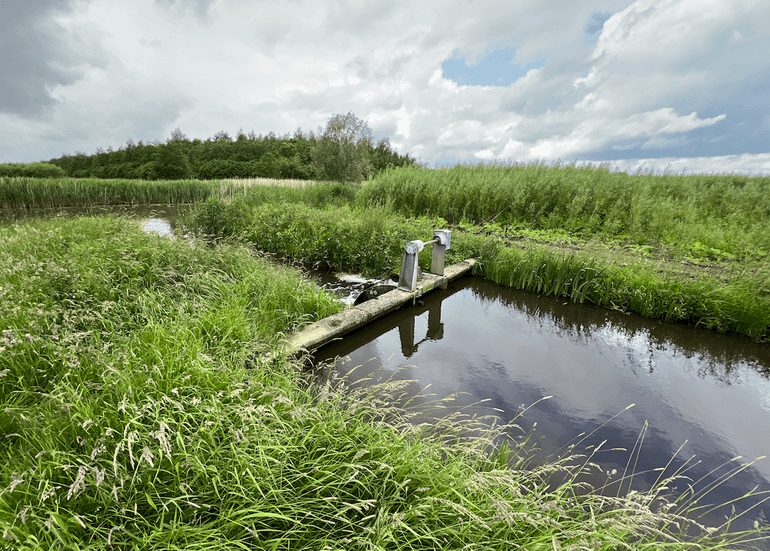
(322, 225)
(717, 216)
(719, 220)
(136, 414)
(23, 193)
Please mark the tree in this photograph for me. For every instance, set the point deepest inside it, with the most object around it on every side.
(177, 136)
(170, 163)
(222, 136)
(341, 151)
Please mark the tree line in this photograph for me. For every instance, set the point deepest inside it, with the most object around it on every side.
(343, 151)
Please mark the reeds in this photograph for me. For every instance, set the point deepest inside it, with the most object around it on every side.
(140, 411)
(371, 241)
(31, 193)
(733, 307)
(27, 193)
(703, 215)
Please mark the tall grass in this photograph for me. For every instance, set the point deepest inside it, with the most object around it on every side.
(704, 215)
(138, 412)
(21, 192)
(371, 241)
(734, 307)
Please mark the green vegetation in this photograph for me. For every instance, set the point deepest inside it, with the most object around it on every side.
(31, 170)
(246, 156)
(333, 226)
(144, 405)
(683, 249)
(725, 217)
(20, 193)
(342, 150)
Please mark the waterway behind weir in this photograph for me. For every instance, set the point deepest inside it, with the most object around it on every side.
(509, 349)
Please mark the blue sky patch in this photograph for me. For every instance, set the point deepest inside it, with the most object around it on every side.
(498, 68)
(595, 25)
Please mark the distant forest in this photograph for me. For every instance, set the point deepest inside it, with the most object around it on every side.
(246, 156)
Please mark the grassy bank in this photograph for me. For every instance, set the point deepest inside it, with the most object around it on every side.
(24, 193)
(701, 216)
(371, 240)
(138, 413)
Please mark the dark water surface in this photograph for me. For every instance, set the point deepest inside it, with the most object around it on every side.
(513, 348)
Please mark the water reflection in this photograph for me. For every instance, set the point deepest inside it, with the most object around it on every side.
(512, 348)
(435, 330)
(159, 226)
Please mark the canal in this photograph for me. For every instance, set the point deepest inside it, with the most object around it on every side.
(503, 350)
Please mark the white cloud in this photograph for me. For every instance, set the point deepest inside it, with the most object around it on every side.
(484, 155)
(719, 164)
(225, 65)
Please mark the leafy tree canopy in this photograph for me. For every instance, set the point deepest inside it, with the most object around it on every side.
(341, 153)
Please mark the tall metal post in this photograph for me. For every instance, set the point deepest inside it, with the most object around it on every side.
(407, 280)
(442, 239)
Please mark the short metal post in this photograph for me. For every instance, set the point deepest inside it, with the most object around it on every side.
(442, 240)
(407, 280)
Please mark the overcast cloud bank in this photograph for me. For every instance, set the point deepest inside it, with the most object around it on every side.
(671, 83)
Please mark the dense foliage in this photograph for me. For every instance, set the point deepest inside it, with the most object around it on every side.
(371, 241)
(31, 170)
(706, 215)
(342, 150)
(246, 156)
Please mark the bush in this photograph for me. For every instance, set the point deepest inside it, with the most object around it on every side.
(171, 163)
(31, 170)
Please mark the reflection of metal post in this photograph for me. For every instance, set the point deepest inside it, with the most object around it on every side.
(407, 281)
(406, 334)
(442, 239)
(435, 327)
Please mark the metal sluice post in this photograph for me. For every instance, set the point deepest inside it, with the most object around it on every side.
(441, 241)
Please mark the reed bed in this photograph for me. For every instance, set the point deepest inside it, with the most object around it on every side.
(140, 411)
(740, 306)
(703, 215)
(30, 193)
(371, 241)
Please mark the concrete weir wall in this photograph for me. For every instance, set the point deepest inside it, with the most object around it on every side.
(315, 335)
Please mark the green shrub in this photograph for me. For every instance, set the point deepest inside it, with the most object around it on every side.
(31, 170)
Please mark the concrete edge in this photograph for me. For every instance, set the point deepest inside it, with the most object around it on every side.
(319, 333)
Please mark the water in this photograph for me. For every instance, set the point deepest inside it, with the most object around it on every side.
(512, 348)
(164, 220)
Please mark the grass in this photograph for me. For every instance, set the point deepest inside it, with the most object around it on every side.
(690, 249)
(25, 193)
(704, 216)
(139, 412)
(323, 229)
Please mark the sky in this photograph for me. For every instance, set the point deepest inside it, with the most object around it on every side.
(663, 85)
